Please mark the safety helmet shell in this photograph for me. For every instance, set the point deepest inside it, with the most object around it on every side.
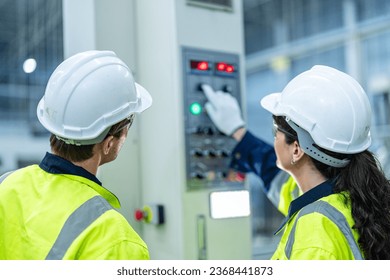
(87, 94)
(330, 105)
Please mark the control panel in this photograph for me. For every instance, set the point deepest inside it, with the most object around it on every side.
(208, 151)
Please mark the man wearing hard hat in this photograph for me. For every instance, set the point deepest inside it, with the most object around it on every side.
(59, 209)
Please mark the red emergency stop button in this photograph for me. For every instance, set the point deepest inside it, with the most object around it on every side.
(138, 215)
(150, 214)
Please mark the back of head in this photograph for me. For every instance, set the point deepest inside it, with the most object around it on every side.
(87, 94)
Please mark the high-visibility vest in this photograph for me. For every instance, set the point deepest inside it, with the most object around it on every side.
(283, 190)
(60, 216)
(320, 230)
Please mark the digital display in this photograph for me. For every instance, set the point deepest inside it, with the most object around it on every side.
(219, 68)
(200, 65)
(224, 67)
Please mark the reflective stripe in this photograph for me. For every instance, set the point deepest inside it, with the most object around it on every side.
(276, 185)
(295, 193)
(77, 222)
(335, 216)
(5, 175)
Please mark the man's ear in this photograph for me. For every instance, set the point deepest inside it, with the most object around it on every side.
(107, 144)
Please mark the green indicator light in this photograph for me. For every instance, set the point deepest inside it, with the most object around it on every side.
(195, 108)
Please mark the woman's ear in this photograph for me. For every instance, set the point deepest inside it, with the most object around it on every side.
(297, 152)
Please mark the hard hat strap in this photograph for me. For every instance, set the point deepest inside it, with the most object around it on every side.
(307, 144)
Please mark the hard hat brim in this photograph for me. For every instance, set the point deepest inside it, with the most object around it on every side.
(145, 98)
(270, 103)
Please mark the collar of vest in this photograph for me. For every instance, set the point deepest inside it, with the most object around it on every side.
(57, 165)
(316, 193)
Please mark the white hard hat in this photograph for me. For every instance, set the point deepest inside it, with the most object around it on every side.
(327, 107)
(87, 94)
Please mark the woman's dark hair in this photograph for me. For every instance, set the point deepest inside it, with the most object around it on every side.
(76, 153)
(368, 193)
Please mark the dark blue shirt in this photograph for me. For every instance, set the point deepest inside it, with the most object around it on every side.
(58, 165)
(254, 155)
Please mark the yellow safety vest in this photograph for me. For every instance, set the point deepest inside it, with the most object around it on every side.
(320, 230)
(61, 216)
(282, 191)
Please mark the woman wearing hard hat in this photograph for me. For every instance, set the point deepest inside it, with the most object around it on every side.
(322, 124)
(59, 209)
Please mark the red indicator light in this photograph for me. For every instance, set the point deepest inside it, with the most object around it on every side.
(229, 69)
(221, 66)
(224, 67)
(203, 65)
(199, 65)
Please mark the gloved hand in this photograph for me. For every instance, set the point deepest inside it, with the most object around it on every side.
(223, 110)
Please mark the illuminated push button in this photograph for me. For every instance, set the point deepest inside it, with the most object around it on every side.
(195, 108)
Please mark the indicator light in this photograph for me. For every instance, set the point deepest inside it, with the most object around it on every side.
(221, 66)
(224, 67)
(195, 108)
(229, 69)
(200, 65)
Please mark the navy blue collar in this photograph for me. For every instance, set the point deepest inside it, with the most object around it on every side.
(58, 165)
(320, 191)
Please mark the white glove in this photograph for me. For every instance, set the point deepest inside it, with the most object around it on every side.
(224, 110)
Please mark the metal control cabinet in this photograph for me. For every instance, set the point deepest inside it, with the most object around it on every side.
(167, 135)
(208, 151)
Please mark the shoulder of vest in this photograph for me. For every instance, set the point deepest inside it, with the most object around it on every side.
(5, 175)
(326, 209)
